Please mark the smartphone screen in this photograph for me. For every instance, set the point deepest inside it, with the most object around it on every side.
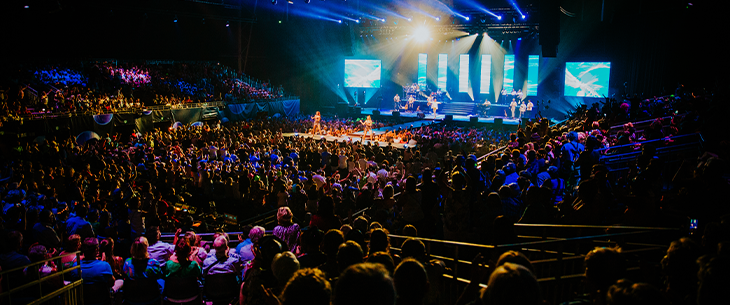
(692, 225)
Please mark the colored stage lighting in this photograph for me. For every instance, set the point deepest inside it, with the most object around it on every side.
(307, 1)
(523, 16)
(466, 18)
(175, 20)
(273, 2)
(499, 17)
(227, 24)
(339, 21)
(438, 18)
(357, 21)
(27, 6)
(410, 19)
(421, 33)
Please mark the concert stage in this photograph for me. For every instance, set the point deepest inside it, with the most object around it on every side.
(442, 117)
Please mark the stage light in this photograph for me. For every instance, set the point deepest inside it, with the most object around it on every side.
(467, 18)
(409, 19)
(421, 33)
(307, 1)
(273, 2)
(438, 18)
(175, 20)
(519, 38)
(227, 24)
(523, 16)
(499, 17)
(290, 2)
(339, 21)
(27, 6)
(357, 21)
(383, 20)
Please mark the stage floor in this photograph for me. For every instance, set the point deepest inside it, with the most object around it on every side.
(441, 116)
(349, 138)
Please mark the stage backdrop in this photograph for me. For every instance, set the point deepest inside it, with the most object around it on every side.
(238, 112)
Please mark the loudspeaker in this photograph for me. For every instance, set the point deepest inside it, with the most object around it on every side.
(449, 117)
(474, 119)
(396, 114)
(498, 121)
(421, 115)
(376, 112)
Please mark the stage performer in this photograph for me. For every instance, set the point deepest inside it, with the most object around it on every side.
(504, 95)
(411, 100)
(512, 107)
(529, 106)
(434, 105)
(520, 96)
(316, 127)
(368, 128)
(486, 107)
(396, 101)
(523, 107)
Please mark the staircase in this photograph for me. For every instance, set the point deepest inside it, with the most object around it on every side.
(458, 108)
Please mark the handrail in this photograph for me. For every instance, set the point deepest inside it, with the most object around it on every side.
(592, 226)
(492, 152)
(46, 278)
(649, 141)
(39, 262)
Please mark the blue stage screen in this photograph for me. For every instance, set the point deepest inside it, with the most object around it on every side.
(486, 73)
(422, 65)
(441, 83)
(362, 73)
(464, 73)
(533, 64)
(509, 73)
(587, 79)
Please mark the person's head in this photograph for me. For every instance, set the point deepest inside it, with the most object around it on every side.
(515, 258)
(326, 206)
(624, 292)
(311, 239)
(220, 244)
(379, 241)
(511, 284)
(256, 233)
(365, 284)
(139, 248)
(349, 253)
(182, 250)
(411, 184)
(680, 264)
(81, 210)
(411, 282)
(307, 287)
(46, 217)
(604, 266)
(153, 234)
(90, 247)
(106, 245)
(410, 230)
(388, 192)
(38, 253)
(266, 248)
(284, 265)
(73, 243)
(284, 216)
(361, 223)
(383, 258)
(413, 248)
(714, 278)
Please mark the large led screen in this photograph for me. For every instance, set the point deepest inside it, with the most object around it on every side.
(441, 76)
(533, 65)
(486, 73)
(463, 72)
(587, 79)
(362, 73)
(509, 73)
(422, 65)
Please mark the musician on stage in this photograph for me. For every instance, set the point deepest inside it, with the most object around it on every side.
(316, 127)
(504, 95)
(512, 107)
(523, 107)
(396, 101)
(485, 107)
(529, 106)
(520, 97)
(368, 123)
(411, 100)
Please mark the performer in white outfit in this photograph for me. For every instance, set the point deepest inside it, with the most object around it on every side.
(316, 127)
(523, 107)
(512, 107)
(368, 128)
(396, 101)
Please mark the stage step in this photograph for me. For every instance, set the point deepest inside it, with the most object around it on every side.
(457, 108)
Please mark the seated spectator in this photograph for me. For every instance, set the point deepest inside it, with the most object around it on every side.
(10, 258)
(365, 284)
(38, 253)
(43, 230)
(283, 266)
(181, 266)
(379, 241)
(78, 224)
(140, 265)
(714, 278)
(310, 240)
(106, 251)
(680, 269)
(624, 292)
(604, 266)
(221, 262)
(511, 284)
(73, 243)
(244, 240)
(158, 250)
(245, 248)
(331, 245)
(307, 287)
(515, 258)
(349, 254)
(287, 230)
(260, 274)
(411, 282)
(410, 230)
(94, 271)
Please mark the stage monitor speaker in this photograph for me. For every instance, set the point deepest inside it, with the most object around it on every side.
(474, 119)
(396, 114)
(449, 117)
(421, 115)
(498, 121)
(376, 112)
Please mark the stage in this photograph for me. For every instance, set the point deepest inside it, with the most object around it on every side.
(442, 116)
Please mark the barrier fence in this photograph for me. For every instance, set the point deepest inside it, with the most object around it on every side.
(19, 286)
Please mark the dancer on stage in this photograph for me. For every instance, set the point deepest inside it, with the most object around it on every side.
(512, 107)
(434, 105)
(368, 128)
(396, 101)
(523, 107)
(316, 127)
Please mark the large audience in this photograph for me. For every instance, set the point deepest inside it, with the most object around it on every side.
(336, 202)
(106, 87)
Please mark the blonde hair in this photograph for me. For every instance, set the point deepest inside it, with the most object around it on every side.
(139, 248)
(284, 215)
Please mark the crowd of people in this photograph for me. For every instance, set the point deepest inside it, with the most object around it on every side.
(112, 197)
(103, 87)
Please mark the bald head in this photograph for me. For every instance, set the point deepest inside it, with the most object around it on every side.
(221, 246)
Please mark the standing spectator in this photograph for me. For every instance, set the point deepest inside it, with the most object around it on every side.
(307, 286)
(312, 256)
(287, 230)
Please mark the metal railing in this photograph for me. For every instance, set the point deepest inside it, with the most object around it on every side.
(556, 252)
(17, 288)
